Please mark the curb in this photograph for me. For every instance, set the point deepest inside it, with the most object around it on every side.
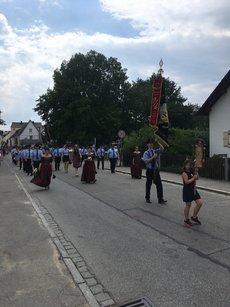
(212, 190)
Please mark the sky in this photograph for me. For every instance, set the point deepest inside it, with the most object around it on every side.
(192, 38)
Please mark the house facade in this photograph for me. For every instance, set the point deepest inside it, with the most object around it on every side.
(217, 107)
(24, 133)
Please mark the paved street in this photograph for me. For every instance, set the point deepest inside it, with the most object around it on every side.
(134, 249)
(31, 271)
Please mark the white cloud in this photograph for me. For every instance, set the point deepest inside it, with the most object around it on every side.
(170, 17)
(56, 3)
(195, 50)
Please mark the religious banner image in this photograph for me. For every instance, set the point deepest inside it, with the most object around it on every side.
(155, 105)
(163, 120)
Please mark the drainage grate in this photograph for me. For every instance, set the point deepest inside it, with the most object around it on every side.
(140, 302)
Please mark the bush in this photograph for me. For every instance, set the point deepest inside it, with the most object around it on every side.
(136, 139)
(181, 142)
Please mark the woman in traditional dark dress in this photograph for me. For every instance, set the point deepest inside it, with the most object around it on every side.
(76, 158)
(45, 170)
(89, 169)
(136, 168)
(190, 194)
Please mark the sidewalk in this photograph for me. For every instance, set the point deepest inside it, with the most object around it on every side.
(216, 186)
(32, 273)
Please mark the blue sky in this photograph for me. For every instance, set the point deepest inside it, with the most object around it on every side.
(78, 15)
(193, 39)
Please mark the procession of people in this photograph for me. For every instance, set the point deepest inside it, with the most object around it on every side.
(42, 163)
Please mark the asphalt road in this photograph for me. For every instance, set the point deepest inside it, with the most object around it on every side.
(137, 249)
(31, 271)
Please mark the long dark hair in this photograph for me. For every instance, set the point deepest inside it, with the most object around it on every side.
(76, 148)
(186, 162)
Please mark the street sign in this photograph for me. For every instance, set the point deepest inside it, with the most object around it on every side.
(121, 134)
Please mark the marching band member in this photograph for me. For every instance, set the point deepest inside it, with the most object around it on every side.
(190, 194)
(136, 168)
(89, 169)
(113, 155)
(45, 170)
(36, 156)
(57, 153)
(100, 157)
(76, 158)
(28, 161)
(65, 158)
(151, 159)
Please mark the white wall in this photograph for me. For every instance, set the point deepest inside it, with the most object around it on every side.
(26, 133)
(219, 121)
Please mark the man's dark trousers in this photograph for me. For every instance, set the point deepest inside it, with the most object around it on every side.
(36, 164)
(57, 163)
(153, 176)
(113, 162)
(29, 168)
(101, 159)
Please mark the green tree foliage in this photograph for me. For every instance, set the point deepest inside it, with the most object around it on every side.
(181, 115)
(92, 98)
(181, 142)
(87, 99)
(139, 139)
(2, 122)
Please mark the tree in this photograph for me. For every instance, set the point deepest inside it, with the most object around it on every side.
(2, 122)
(86, 100)
(181, 115)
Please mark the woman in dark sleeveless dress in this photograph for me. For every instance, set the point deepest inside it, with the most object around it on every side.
(136, 168)
(190, 194)
(89, 169)
(76, 158)
(45, 170)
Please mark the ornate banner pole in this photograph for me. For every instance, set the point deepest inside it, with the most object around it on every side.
(199, 152)
(158, 118)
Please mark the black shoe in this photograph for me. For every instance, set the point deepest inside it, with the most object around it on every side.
(187, 223)
(148, 201)
(196, 220)
(162, 201)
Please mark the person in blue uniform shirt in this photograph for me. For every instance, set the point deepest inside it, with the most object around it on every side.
(151, 158)
(65, 157)
(100, 157)
(113, 155)
(57, 153)
(23, 157)
(93, 148)
(83, 152)
(28, 160)
(13, 151)
(36, 156)
(20, 155)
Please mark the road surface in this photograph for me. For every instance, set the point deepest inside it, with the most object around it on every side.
(136, 249)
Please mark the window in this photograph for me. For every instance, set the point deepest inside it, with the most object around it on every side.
(226, 138)
(31, 137)
(30, 131)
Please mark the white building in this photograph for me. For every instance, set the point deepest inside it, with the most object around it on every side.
(217, 106)
(22, 133)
